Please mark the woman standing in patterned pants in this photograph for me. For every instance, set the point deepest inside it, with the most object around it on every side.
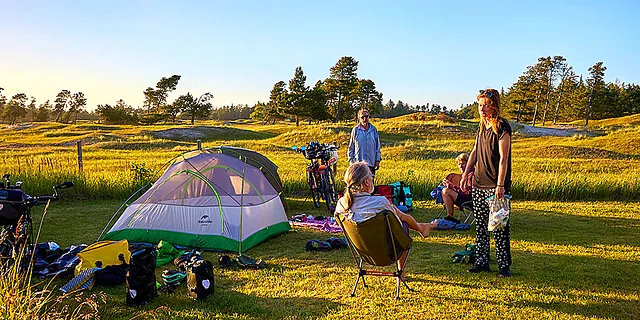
(491, 158)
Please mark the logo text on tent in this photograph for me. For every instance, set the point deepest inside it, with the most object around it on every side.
(205, 219)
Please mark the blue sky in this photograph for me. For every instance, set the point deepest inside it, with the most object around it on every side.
(415, 51)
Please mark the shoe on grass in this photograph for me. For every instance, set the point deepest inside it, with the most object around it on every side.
(504, 272)
(481, 268)
(452, 219)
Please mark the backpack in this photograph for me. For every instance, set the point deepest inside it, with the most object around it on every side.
(200, 282)
(402, 195)
(408, 197)
(141, 277)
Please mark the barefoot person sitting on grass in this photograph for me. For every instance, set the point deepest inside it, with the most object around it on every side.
(358, 204)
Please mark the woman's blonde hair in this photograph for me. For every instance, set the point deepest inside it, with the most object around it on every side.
(463, 157)
(353, 178)
(492, 98)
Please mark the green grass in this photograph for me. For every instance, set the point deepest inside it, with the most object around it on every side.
(572, 260)
(605, 166)
(574, 231)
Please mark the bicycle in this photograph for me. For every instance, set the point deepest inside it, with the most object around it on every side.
(321, 172)
(15, 217)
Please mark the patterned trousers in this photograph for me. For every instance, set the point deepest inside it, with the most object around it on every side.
(502, 237)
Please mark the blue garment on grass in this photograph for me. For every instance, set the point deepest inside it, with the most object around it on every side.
(437, 194)
(443, 224)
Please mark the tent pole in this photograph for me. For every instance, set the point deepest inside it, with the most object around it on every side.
(244, 167)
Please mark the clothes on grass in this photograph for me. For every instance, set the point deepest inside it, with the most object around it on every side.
(65, 263)
(112, 275)
(326, 225)
(444, 224)
(501, 236)
(167, 253)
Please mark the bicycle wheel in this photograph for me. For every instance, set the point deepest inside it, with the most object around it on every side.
(7, 253)
(326, 192)
(313, 186)
(331, 185)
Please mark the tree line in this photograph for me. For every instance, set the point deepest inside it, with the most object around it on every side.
(65, 108)
(547, 91)
(551, 91)
(336, 98)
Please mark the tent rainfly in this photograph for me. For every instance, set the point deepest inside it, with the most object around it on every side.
(225, 198)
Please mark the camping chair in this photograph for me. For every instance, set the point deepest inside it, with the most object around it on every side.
(465, 212)
(379, 241)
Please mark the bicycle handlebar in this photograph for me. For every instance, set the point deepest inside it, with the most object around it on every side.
(46, 198)
(32, 201)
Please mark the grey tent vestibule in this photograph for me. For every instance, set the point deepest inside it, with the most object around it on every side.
(224, 198)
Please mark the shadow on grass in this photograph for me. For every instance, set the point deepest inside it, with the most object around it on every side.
(226, 303)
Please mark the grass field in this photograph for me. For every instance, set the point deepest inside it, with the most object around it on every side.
(574, 228)
(572, 260)
(602, 166)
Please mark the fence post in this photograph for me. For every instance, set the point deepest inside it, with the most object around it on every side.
(199, 144)
(80, 156)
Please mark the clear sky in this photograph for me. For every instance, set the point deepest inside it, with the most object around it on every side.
(415, 51)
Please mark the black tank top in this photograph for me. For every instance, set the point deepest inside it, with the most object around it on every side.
(488, 157)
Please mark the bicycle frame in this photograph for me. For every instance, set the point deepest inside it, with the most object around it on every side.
(320, 177)
(18, 233)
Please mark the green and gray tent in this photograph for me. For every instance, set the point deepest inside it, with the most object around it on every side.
(215, 199)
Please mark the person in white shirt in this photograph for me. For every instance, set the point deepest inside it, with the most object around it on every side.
(358, 204)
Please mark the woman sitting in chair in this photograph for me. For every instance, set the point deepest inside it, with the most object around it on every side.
(358, 204)
(452, 193)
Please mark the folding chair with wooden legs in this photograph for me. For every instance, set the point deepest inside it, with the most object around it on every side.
(380, 241)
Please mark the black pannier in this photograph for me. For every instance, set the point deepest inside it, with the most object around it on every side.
(12, 206)
(200, 280)
(141, 277)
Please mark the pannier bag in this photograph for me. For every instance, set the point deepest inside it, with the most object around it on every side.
(11, 206)
(200, 280)
(408, 197)
(141, 277)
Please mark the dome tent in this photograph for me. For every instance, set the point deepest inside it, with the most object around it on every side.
(221, 198)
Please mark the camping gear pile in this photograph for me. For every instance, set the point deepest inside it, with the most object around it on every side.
(197, 272)
(398, 193)
(112, 263)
